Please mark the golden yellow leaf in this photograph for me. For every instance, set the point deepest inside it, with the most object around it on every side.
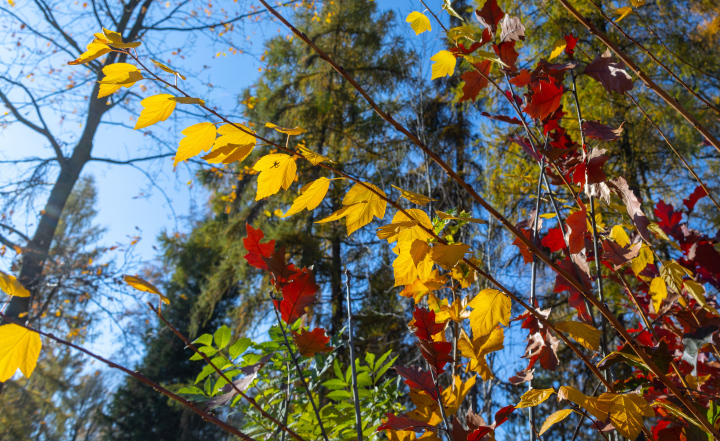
(408, 267)
(188, 100)
(114, 39)
(643, 259)
(231, 135)
(11, 286)
(697, 292)
(556, 417)
(372, 206)
(490, 307)
(144, 285)
(155, 109)
(533, 397)
(419, 251)
(94, 50)
(418, 288)
(312, 195)
(413, 197)
(447, 256)
(622, 12)
(456, 312)
(312, 157)
(393, 229)
(626, 412)
(167, 68)
(228, 153)
(276, 170)
(197, 138)
(116, 76)
(444, 64)
(582, 333)
(414, 233)
(477, 349)
(418, 22)
(558, 48)
(658, 292)
(464, 273)
(620, 236)
(285, 130)
(445, 216)
(341, 213)
(19, 349)
(637, 3)
(579, 398)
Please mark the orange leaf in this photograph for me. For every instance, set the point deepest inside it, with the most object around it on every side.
(311, 342)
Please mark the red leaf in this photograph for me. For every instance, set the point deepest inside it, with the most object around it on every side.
(401, 422)
(490, 15)
(554, 240)
(596, 130)
(521, 377)
(425, 326)
(503, 118)
(522, 79)
(310, 343)
(591, 171)
(436, 353)
(282, 273)
(479, 433)
(610, 74)
(618, 255)
(669, 218)
(507, 53)
(545, 100)
(524, 250)
(502, 415)
(256, 250)
(297, 295)
(467, 51)
(475, 81)
(696, 195)
(570, 42)
(416, 378)
(632, 203)
(576, 228)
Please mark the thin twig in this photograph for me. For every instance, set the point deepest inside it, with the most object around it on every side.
(356, 395)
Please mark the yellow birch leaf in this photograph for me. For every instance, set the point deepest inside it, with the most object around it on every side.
(188, 100)
(144, 285)
(626, 412)
(489, 308)
(285, 130)
(276, 170)
(228, 153)
(11, 286)
(94, 50)
(114, 39)
(312, 157)
(418, 22)
(393, 229)
(197, 138)
(408, 267)
(643, 259)
(556, 417)
(415, 198)
(586, 335)
(311, 197)
(533, 397)
(444, 64)
(373, 206)
(167, 68)
(658, 292)
(623, 12)
(19, 349)
(620, 236)
(155, 109)
(447, 256)
(229, 134)
(558, 48)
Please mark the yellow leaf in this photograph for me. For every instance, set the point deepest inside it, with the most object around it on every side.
(697, 292)
(445, 216)
(413, 197)
(418, 288)
(579, 398)
(94, 50)
(409, 265)
(558, 48)
(582, 333)
(311, 197)
(197, 138)
(623, 12)
(237, 136)
(19, 349)
(477, 349)
(372, 205)
(188, 100)
(155, 109)
(341, 213)
(658, 292)
(11, 286)
(312, 157)
(626, 412)
(533, 397)
(276, 170)
(456, 312)
(166, 68)
(228, 153)
(285, 130)
(444, 64)
(556, 417)
(643, 259)
(394, 229)
(144, 285)
(620, 236)
(490, 307)
(414, 233)
(116, 76)
(419, 22)
(447, 256)
(637, 3)
(419, 251)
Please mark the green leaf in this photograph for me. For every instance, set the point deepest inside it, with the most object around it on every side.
(383, 369)
(191, 391)
(207, 370)
(222, 337)
(239, 347)
(370, 360)
(363, 379)
(335, 384)
(207, 350)
(339, 395)
(205, 339)
(338, 370)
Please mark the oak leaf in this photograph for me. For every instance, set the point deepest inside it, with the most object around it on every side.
(545, 100)
(297, 295)
(475, 80)
(597, 130)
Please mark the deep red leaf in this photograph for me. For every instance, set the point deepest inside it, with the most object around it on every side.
(298, 295)
(524, 250)
(475, 81)
(460, 48)
(436, 353)
(554, 240)
(597, 130)
(425, 326)
(311, 342)
(669, 218)
(694, 197)
(401, 422)
(570, 43)
(503, 118)
(282, 273)
(576, 228)
(545, 100)
(522, 78)
(479, 433)
(490, 15)
(507, 53)
(502, 415)
(417, 378)
(610, 74)
(256, 250)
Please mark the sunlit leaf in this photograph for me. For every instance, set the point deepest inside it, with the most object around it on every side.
(556, 417)
(533, 397)
(285, 130)
(419, 22)
(10, 285)
(311, 197)
(582, 333)
(155, 109)
(143, 285)
(444, 64)
(197, 138)
(276, 170)
(489, 308)
(19, 349)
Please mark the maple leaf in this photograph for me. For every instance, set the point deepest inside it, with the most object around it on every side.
(281, 272)
(694, 197)
(10, 285)
(425, 324)
(554, 418)
(524, 250)
(155, 109)
(436, 353)
(118, 75)
(19, 349)
(402, 422)
(477, 349)
(447, 256)
(596, 130)
(576, 228)
(475, 81)
(444, 64)
(507, 53)
(417, 378)
(554, 240)
(619, 255)
(276, 170)
(197, 138)
(582, 333)
(545, 100)
(512, 29)
(297, 295)
(312, 342)
(633, 205)
(235, 136)
(143, 285)
(571, 42)
(256, 250)
(521, 79)
(418, 22)
(490, 307)
(490, 15)
(311, 196)
(610, 74)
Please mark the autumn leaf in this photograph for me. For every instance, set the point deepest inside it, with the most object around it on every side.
(533, 397)
(545, 100)
(512, 29)
(643, 259)
(425, 324)
(507, 54)
(579, 398)
(403, 423)
(596, 130)
(116, 76)
(188, 100)
(576, 228)
(610, 74)
(436, 353)
(297, 295)
(658, 292)
(232, 135)
(361, 204)
(418, 22)
(463, 217)
(256, 249)
(444, 64)
(417, 378)
(312, 342)
(490, 15)
(477, 349)
(554, 240)
(554, 418)
(155, 109)
(490, 307)
(447, 256)
(620, 236)
(623, 12)
(114, 39)
(10, 285)
(285, 130)
(475, 80)
(626, 412)
(276, 170)
(415, 198)
(144, 285)
(167, 68)
(197, 138)
(95, 49)
(582, 333)
(311, 196)
(228, 154)
(19, 349)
